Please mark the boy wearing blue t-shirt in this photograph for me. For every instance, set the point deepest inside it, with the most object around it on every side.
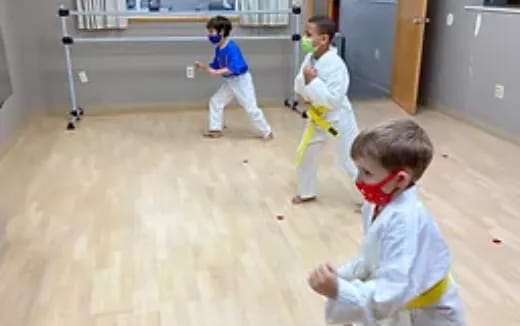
(238, 83)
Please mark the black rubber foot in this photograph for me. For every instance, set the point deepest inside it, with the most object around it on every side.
(71, 126)
(291, 104)
(77, 113)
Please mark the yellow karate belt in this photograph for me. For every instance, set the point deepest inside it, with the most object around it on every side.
(432, 296)
(316, 115)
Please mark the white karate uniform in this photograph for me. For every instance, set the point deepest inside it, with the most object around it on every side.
(403, 255)
(242, 88)
(329, 89)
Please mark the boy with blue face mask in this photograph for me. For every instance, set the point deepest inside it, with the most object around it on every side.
(230, 64)
(323, 82)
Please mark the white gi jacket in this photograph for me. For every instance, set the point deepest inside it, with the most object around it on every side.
(402, 256)
(330, 88)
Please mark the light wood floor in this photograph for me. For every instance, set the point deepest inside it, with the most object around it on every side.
(137, 220)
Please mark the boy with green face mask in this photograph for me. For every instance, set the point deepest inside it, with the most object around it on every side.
(323, 82)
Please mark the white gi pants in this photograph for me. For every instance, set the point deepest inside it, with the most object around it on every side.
(307, 171)
(243, 89)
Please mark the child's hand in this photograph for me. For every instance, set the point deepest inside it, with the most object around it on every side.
(331, 268)
(324, 281)
(201, 66)
(309, 73)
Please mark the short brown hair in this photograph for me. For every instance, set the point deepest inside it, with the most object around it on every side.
(396, 144)
(325, 25)
(221, 24)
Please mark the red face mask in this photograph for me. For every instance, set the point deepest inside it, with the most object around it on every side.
(374, 193)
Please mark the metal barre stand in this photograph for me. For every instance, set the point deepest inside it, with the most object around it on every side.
(68, 40)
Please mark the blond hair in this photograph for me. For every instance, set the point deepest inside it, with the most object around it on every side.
(396, 144)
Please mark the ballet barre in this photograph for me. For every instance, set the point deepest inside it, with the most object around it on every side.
(174, 14)
(167, 39)
(68, 40)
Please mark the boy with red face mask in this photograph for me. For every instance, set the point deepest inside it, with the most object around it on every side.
(401, 276)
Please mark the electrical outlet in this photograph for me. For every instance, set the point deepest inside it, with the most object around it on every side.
(190, 72)
(450, 19)
(499, 91)
(83, 77)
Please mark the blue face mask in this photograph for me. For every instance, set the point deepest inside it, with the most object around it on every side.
(214, 38)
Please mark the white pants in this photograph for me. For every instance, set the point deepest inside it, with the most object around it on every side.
(308, 169)
(243, 89)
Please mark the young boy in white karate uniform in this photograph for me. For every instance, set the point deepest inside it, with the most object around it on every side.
(323, 81)
(238, 83)
(402, 274)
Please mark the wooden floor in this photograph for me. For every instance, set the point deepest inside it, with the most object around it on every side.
(137, 220)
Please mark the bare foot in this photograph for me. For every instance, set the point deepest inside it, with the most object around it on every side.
(299, 200)
(269, 137)
(213, 134)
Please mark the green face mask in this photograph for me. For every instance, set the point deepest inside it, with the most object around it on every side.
(307, 46)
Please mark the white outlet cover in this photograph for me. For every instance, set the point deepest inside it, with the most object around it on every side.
(377, 54)
(190, 72)
(83, 76)
(499, 91)
(450, 19)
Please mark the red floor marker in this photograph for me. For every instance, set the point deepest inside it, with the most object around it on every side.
(497, 241)
(279, 217)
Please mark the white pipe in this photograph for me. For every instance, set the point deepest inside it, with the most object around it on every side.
(167, 39)
(70, 73)
(296, 54)
(174, 14)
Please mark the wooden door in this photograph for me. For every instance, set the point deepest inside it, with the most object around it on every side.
(408, 50)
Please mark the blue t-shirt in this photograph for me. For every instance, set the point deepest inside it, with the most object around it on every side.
(230, 57)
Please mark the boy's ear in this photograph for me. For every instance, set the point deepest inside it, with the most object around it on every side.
(323, 37)
(326, 39)
(404, 178)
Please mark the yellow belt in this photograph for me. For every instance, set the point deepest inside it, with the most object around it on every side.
(316, 116)
(432, 296)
